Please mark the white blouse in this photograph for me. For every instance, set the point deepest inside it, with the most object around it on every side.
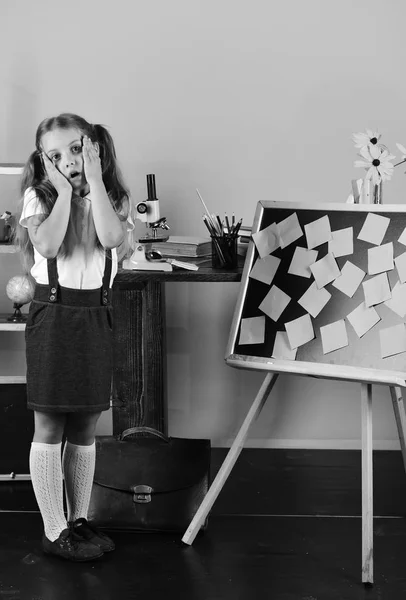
(83, 268)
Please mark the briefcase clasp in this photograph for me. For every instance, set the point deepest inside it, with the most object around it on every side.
(142, 494)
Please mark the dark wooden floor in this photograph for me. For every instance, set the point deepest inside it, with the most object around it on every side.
(237, 558)
(251, 549)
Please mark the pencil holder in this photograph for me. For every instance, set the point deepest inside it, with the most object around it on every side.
(224, 251)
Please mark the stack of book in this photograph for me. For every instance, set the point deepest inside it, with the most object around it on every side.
(243, 239)
(184, 247)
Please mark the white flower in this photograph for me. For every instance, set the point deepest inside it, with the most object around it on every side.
(377, 163)
(403, 151)
(365, 139)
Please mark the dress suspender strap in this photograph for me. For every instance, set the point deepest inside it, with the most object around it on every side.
(106, 291)
(53, 284)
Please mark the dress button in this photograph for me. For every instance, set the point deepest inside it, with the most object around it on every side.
(53, 290)
(105, 300)
(105, 292)
(52, 298)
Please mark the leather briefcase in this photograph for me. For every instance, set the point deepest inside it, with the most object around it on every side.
(148, 483)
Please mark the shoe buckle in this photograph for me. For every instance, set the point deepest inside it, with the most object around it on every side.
(142, 494)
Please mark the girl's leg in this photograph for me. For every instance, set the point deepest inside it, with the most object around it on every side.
(79, 457)
(78, 462)
(46, 471)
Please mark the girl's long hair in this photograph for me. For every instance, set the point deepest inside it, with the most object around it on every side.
(34, 176)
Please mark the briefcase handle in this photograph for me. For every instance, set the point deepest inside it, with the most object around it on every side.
(150, 430)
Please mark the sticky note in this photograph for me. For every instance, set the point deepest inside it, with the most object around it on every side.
(380, 259)
(398, 301)
(265, 268)
(289, 230)
(334, 336)
(374, 228)
(301, 261)
(274, 303)
(400, 262)
(376, 289)
(282, 349)
(350, 279)
(363, 318)
(402, 238)
(393, 340)
(325, 270)
(266, 240)
(300, 331)
(342, 243)
(314, 299)
(252, 330)
(318, 232)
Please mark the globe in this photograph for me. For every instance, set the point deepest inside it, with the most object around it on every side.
(20, 290)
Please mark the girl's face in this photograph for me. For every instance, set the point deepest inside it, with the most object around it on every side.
(64, 148)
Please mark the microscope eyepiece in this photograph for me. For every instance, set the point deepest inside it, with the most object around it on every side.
(151, 187)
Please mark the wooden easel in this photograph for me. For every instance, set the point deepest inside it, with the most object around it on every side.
(394, 380)
(367, 466)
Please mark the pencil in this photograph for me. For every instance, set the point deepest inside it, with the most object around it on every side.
(215, 239)
(219, 250)
(220, 223)
(209, 225)
(237, 228)
(205, 207)
(228, 224)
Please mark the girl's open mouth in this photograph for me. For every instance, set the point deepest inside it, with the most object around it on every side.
(74, 174)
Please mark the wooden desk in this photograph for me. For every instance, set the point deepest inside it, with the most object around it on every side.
(139, 376)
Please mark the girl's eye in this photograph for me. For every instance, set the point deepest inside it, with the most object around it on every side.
(55, 158)
(76, 149)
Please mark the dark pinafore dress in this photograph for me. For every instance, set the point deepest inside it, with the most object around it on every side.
(69, 346)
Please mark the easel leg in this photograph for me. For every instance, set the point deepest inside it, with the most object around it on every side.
(230, 459)
(399, 410)
(367, 484)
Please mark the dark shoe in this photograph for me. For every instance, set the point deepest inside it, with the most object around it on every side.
(72, 547)
(90, 533)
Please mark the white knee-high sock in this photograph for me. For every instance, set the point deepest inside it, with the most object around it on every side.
(78, 463)
(46, 477)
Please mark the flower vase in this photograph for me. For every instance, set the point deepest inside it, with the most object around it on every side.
(377, 194)
(365, 196)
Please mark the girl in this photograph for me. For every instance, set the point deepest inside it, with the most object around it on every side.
(74, 215)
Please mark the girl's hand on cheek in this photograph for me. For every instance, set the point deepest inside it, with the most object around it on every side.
(91, 161)
(58, 180)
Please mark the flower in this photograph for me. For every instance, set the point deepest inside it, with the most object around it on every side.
(377, 163)
(365, 139)
(403, 151)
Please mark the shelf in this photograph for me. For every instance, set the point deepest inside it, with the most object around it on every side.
(7, 248)
(13, 379)
(7, 326)
(15, 477)
(11, 168)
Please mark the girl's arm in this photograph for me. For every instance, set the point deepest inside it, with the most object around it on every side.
(48, 232)
(110, 230)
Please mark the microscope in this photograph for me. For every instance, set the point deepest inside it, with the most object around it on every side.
(143, 258)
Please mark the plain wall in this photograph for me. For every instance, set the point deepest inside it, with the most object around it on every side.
(245, 101)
